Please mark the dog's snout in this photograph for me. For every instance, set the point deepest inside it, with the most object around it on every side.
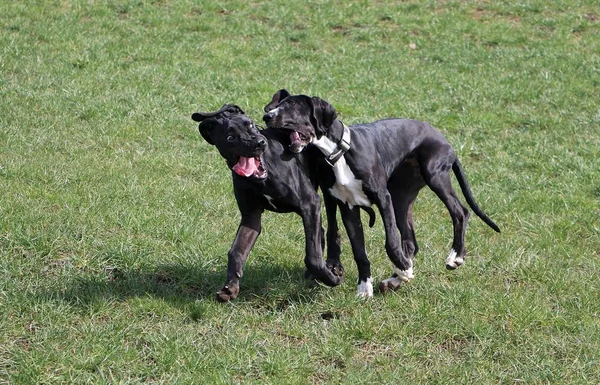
(261, 143)
(267, 117)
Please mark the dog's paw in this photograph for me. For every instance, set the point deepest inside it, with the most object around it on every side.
(400, 277)
(365, 288)
(336, 268)
(392, 283)
(405, 275)
(337, 280)
(228, 293)
(453, 261)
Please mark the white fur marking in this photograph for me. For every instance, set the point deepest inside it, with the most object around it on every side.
(365, 289)
(270, 199)
(347, 188)
(405, 275)
(453, 261)
(274, 111)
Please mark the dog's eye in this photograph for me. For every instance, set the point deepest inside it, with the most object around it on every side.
(230, 138)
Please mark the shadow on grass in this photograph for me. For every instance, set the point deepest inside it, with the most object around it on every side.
(183, 285)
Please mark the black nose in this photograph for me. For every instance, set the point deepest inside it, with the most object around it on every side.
(261, 143)
(267, 117)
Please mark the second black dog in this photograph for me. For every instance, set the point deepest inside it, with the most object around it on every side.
(384, 163)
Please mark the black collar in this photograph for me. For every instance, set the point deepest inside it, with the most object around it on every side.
(342, 146)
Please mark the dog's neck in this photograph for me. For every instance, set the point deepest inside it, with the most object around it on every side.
(334, 143)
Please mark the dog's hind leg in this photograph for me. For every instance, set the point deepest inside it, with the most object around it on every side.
(404, 192)
(393, 244)
(436, 172)
(246, 236)
(354, 229)
(404, 187)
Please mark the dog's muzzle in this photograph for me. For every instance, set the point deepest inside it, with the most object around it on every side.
(269, 116)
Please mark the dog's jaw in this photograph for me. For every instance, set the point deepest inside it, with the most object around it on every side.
(299, 141)
(250, 167)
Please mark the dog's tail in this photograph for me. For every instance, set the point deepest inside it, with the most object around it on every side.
(371, 215)
(464, 186)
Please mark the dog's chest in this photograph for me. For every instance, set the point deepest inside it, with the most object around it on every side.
(347, 188)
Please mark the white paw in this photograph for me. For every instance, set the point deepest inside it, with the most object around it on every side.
(452, 262)
(365, 289)
(405, 275)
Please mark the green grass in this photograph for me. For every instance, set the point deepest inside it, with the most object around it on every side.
(116, 217)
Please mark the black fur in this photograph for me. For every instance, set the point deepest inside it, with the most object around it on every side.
(285, 184)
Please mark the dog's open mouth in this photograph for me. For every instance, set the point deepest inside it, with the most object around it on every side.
(247, 167)
(299, 141)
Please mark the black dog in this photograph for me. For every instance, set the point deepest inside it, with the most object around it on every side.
(384, 163)
(266, 177)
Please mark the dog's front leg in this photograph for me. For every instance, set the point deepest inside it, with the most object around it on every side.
(334, 240)
(311, 218)
(245, 238)
(354, 229)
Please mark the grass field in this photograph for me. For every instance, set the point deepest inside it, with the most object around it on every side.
(116, 217)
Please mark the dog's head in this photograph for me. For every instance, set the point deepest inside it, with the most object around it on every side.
(236, 137)
(306, 118)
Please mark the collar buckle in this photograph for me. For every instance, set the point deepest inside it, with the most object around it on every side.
(341, 148)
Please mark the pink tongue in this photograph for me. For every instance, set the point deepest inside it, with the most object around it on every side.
(295, 137)
(245, 166)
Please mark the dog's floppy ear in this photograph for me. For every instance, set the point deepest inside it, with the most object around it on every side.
(205, 127)
(323, 114)
(200, 116)
(279, 96)
(204, 124)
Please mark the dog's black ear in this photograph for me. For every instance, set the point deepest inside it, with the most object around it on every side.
(200, 116)
(204, 124)
(323, 114)
(278, 97)
(204, 129)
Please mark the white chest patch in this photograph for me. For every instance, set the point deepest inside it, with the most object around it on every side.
(347, 188)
